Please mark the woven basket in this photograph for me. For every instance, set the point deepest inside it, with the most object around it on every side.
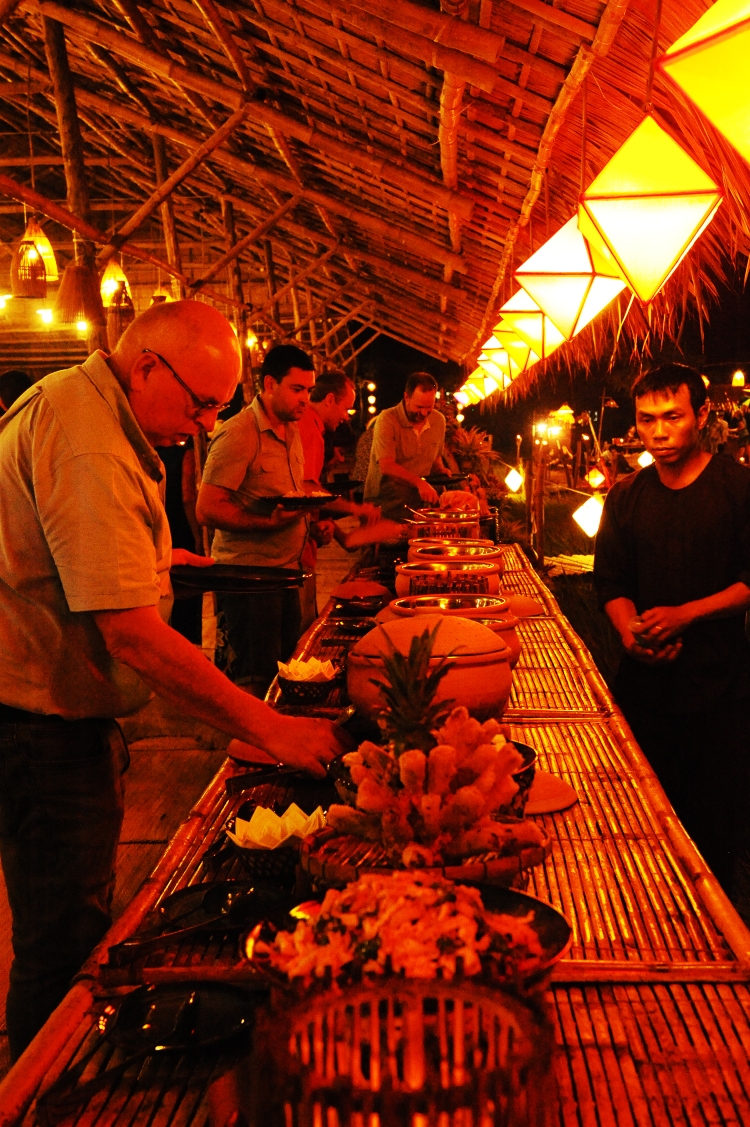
(403, 1053)
(307, 692)
(340, 858)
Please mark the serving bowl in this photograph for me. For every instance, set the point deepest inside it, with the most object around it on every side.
(457, 551)
(448, 577)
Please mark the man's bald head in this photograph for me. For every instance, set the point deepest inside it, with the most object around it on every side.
(184, 338)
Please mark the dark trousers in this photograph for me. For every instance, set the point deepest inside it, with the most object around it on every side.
(61, 808)
(701, 760)
(260, 630)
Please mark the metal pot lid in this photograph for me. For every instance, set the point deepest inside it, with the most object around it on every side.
(486, 605)
(457, 638)
(455, 551)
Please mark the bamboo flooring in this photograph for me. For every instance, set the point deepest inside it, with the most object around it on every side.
(652, 1002)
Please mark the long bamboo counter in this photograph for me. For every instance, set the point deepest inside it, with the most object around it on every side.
(652, 1005)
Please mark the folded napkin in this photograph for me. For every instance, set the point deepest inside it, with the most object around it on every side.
(267, 830)
(311, 670)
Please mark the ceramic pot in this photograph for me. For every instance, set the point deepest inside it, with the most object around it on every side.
(479, 676)
(425, 541)
(463, 606)
(445, 525)
(462, 551)
(447, 578)
(505, 625)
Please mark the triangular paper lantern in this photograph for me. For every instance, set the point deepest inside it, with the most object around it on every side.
(522, 316)
(499, 365)
(570, 281)
(485, 382)
(647, 207)
(710, 63)
(522, 356)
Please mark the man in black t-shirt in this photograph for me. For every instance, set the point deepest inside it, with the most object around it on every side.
(673, 550)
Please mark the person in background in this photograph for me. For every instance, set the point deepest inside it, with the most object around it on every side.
(179, 503)
(407, 445)
(255, 456)
(13, 384)
(672, 572)
(85, 555)
(362, 454)
(330, 401)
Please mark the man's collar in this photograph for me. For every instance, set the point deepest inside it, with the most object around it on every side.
(102, 377)
(258, 408)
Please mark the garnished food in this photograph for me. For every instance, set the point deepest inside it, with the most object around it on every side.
(459, 501)
(408, 923)
(427, 806)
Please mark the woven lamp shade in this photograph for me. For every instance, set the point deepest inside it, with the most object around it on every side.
(79, 297)
(120, 314)
(110, 284)
(710, 64)
(569, 280)
(28, 274)
(522, 316)
(37, 236)
(647, 207)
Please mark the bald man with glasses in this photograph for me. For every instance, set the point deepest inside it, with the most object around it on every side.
(85, 554)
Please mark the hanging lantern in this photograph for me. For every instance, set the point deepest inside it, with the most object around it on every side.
(484, 383)
(498, 366)
(589, 515)
(569, 280)
(28, 274)
(522, 356)
(37, 236)
(513, 480)
(647, 207)
(112, 278)
(738, 378)
(471, 393)
(79, 297)
(461, 397)
(120, 314)
(709, 63)
(645, 459)
(522, 316)
(595, 478)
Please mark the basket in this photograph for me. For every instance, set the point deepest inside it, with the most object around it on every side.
(406, 1053)
(337, 859)
(307, 692)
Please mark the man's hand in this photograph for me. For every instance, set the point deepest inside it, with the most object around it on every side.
(427, 493)
(306, 744)
(280, 517)
(181, 556)
(658, 655)
(662, 623)
(321, 531)
(367, 513)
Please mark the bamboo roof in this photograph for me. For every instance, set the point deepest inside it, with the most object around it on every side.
(399, 159)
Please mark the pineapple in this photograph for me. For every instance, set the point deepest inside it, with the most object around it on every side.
(411, 713)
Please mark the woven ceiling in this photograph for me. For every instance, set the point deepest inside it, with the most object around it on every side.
(406, 160)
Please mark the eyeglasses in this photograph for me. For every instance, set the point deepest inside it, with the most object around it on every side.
(202, 406)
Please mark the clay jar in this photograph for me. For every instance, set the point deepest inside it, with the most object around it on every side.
(444, 524)
(447, 578)
(427, 541)
(462, 551)
(491, 610)
(505, 626)
(479, 677)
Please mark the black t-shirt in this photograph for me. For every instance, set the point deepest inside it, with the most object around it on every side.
(665, 547)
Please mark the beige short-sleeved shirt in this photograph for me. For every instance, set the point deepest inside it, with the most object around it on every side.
(249, 458)
(395, 437)
(82, 528)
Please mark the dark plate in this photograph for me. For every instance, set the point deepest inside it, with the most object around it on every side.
(236, 579)
(150, 1016)
(302, 503)
(445, 478)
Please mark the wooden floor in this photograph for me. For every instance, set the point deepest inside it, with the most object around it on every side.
(168, 773)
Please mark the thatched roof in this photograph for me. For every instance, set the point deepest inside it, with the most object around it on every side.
(393, 166)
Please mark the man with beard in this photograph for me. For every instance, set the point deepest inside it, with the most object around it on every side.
(672, 572)
(256, 455)
(408, 443)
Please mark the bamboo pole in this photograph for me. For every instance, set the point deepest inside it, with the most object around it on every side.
(362, 347)
(215, 21)
(167, 209)
(238, 247)
(352, 336)
(275, 294)
(164, 190)
(227, 93)
(234, 280)
(348, 316)
(272, 303)
(316, 311)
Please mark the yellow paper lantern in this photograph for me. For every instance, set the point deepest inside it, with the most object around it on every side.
(595, 478)
(523, 317)
(522, 356)
(473, 395)
(485, 382)
(499, 365)
(514, 480)
(461, 397)
(569, 280)
(738, 379)
(647, 207)
(645, 459)
(589, 515)
(111, 278)
(709, 63)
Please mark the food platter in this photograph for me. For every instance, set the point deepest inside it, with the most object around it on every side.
(235, 579)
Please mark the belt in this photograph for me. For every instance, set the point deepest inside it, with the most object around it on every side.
(10, 715)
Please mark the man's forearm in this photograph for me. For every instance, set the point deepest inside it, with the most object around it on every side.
(176, 670)
(725, 604)
(620, 612)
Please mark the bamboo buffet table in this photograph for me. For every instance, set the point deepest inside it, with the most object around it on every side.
(652, 1005)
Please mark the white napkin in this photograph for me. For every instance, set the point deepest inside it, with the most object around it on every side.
(311, 670)
(267, 830)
